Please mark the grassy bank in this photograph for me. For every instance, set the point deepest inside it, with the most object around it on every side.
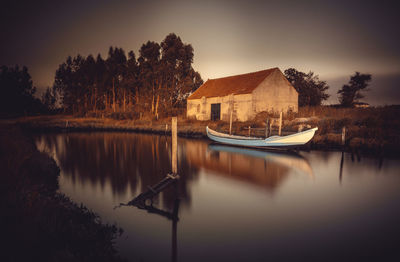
(40, 224)
(373, 130)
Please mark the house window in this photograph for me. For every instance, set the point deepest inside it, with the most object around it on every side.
(215, 112)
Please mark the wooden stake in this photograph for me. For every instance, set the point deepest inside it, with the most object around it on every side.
(249, 130)
(174, 134)
(230, 123)
(343, 135)
(280, 123)
(266, 128)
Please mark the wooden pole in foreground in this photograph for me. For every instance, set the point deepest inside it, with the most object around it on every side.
(230, 123)
(174, 135)
(267, 128)
(343, 136)
(280, 123)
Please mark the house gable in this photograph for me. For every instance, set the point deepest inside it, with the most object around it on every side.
(275, 93)
(239, 84)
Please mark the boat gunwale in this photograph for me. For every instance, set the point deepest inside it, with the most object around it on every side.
(243, 138)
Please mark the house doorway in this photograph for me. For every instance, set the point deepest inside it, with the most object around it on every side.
(215, 112)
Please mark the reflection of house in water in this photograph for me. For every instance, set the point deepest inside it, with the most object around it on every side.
(266, 169)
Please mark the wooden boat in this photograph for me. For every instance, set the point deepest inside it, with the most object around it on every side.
(297, 139)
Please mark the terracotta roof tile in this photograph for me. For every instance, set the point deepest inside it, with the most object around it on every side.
(239, 84)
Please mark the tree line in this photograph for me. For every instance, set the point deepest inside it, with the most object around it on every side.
(312, 91)
(159, 80)
(17, 92)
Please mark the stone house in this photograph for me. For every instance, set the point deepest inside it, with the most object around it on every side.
(243, 96)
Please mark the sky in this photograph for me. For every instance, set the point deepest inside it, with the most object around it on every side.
(333, 39)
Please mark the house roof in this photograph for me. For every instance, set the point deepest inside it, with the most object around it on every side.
(239, 84)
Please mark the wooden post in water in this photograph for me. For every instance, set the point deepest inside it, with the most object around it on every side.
(230, 123)
(249, 130)
(280, 123)
(343, 136)
(174, 135)
(267, 128)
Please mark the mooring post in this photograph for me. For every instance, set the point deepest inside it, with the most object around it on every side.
(343, 136)
(280, 123)
(174, 134)
(270, 126)
(266, 128)
(230, 124)
(249, 130)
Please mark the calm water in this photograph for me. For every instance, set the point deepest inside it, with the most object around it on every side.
(233, 204)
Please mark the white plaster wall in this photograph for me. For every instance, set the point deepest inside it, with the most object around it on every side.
(240, 104)
(276, 94)
(273, 94)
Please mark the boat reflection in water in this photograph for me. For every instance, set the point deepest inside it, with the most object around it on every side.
(259, 167)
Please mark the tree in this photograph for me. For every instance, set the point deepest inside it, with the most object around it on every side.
(49, 99)
(149, 70)
(70, 83)
(311, 90)
(351, 93)
(17, 91)
(116, 67)
(131, 81)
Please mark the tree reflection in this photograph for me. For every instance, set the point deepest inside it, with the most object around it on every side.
(124, 160)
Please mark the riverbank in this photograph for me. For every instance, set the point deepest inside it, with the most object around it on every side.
(39, 223)
(370, 130)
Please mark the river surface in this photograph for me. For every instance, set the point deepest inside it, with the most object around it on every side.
(233, 204)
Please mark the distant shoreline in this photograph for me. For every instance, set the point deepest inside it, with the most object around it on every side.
(327, 137)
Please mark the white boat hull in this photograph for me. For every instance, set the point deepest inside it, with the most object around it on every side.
(293, 140)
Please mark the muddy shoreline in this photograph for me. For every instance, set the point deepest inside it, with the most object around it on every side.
(325, 139)
(42, 223)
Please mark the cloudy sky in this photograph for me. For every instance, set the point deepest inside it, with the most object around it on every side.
(331, 38)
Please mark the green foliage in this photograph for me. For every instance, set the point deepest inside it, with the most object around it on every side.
(311, 90)
(351, 93)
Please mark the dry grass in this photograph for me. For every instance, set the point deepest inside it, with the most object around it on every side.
(371, 127)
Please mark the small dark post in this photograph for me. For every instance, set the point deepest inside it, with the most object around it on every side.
(280, 123)
(249, 130)
(174, 134)
(341, 168)
(174, 253)
(267, 128)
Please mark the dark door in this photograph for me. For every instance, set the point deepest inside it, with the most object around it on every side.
(215, 112)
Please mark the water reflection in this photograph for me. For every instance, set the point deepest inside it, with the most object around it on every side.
(223, 199)
(127, 162)
(144, 201)
(130, 162)
(259, 167)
